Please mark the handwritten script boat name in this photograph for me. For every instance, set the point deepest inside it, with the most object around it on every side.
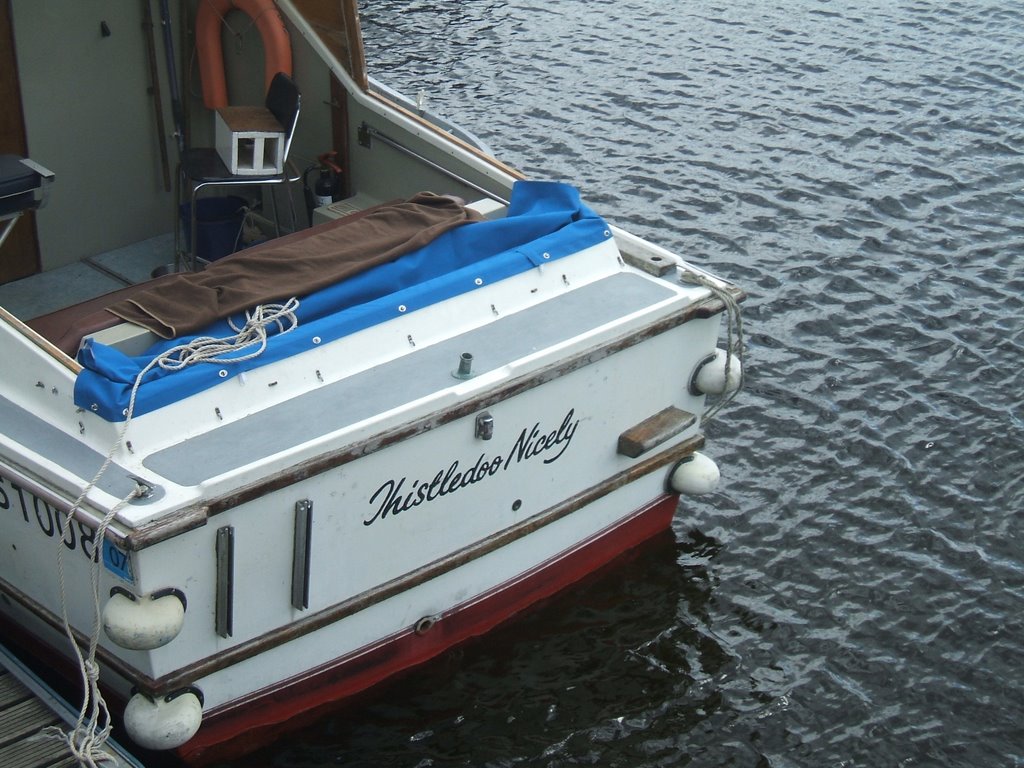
(396, 495)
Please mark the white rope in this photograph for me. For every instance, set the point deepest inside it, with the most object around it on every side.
(733, 335)
(208, 349)
(87, 739)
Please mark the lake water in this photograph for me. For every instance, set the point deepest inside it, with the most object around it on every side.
(853, 595)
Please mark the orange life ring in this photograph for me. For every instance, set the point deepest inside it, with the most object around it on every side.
(277, 45)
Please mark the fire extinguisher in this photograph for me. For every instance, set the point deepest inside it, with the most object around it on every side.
(328, 185)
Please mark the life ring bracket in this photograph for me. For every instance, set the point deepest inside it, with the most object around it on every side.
(277, 44)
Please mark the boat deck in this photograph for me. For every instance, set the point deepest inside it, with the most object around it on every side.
(27, 708)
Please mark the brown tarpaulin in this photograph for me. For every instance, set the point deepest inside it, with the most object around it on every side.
(293, 266)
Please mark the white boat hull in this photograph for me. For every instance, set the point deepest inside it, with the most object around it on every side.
(343, 532)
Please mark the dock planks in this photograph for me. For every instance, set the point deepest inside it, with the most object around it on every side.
(27, 708)
(22, 719)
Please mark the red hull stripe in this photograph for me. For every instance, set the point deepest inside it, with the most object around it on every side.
(218, 738)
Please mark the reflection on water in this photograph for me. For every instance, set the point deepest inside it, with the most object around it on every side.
(853, 593)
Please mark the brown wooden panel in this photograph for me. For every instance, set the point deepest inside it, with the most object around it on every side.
(337, 25)
(19, 256)
(652, 432)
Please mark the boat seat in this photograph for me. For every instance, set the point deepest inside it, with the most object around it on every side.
(203, 167)
(24, 186)
(65, 328)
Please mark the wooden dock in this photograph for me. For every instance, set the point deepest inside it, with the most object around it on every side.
(27, 707)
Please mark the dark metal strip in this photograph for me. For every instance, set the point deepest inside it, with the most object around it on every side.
(301, 547)
(224, 620)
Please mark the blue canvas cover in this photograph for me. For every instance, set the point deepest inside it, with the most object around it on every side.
(546, 221)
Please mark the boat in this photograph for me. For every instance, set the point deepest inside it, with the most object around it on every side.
(456, 393)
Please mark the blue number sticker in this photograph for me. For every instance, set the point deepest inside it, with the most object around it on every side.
(117, 561)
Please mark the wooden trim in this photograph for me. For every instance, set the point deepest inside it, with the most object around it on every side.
(451, 138)
(335, 23)
(133, 539)
(44, 344)
(163, 529)
(356, 52)
(653, 431)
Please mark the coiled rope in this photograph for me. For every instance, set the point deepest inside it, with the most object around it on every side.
(87, 739)
(733, 334)
(208, 349)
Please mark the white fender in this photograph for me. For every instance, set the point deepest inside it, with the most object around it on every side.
(710, 377)
(160, 724)
(144, 623)
(694, 475)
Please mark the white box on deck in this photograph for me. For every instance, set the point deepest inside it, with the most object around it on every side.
(250, 141)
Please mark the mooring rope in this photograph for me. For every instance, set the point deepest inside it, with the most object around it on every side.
(87, 739)
(208, 349)
(733, 335)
